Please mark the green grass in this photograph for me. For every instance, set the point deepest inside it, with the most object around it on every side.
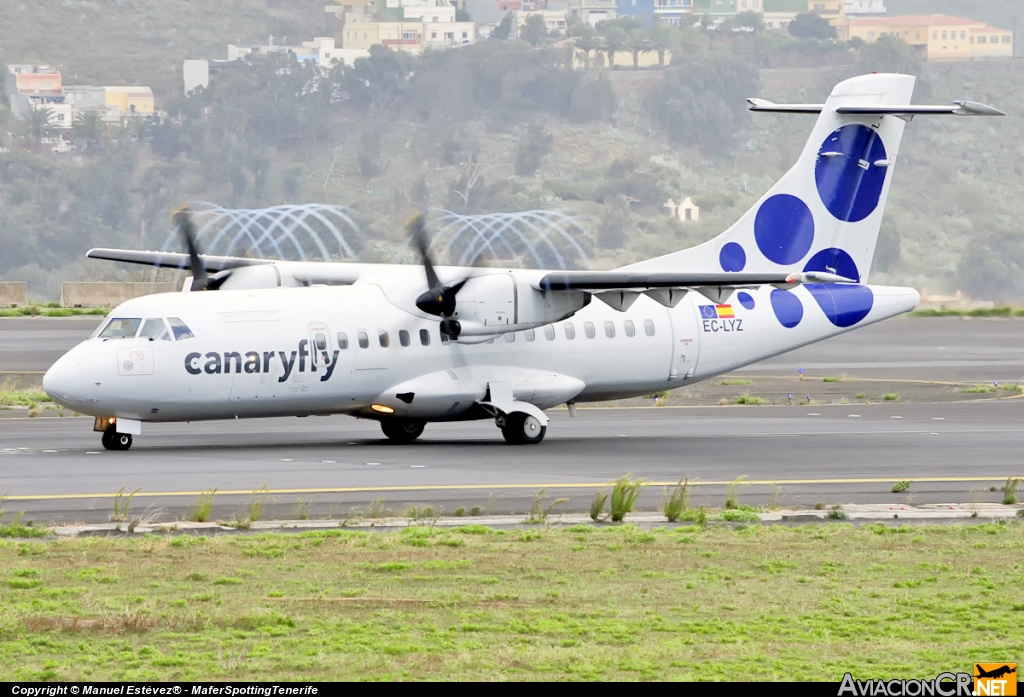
(596, 603)
(11, 396)
(46, 311)
(891, 397)
(750, 399)
(979, 389)
(833, 378)
(735, 381)
(991, 312)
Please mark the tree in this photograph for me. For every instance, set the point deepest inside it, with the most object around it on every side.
(40, 125)
(890, 54)
(594, 100)
(750, 19)
(889, 246)
(809, 25)
(663, 38)
(638, 42)
(615, 40)
(504, 29)
(534, 146)
(89, 127)
(587, 41)
(536, 30)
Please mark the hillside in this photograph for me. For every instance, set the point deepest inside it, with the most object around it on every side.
(495, 127)
(143, 42)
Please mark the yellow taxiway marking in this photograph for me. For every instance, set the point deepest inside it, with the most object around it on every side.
(472, 487)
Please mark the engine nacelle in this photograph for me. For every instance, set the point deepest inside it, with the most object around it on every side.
(253, 277)
(497, 303)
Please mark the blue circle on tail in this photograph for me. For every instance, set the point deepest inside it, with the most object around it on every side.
(732, 257)
(844, 305)
(784, 229)
(848, 180)
(787, 308)
(835, 261)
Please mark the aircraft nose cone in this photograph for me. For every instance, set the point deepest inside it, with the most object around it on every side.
(62, 381)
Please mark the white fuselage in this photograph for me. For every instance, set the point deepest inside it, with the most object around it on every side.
(254, 353)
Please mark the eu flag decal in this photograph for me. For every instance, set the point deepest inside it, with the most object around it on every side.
(716, 312)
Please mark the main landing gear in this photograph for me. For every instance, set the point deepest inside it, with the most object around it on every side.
(112, 440)
(402, 430)
(521, 429)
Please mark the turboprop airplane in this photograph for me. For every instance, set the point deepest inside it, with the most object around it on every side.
(378, 341)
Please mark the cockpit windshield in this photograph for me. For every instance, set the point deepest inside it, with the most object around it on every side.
(180, 329)
(155, 330)
(121, 328)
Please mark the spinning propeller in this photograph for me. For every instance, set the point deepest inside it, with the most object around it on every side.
(439, 299)
(200, 279)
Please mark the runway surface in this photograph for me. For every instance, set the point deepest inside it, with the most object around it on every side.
(941, 348)
(55, 469)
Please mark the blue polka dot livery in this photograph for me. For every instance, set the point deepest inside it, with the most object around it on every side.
(849, 180)
(835, 261)
(732, 257)
(843, 305)
(745, 300)
(784, 229)
(787, 308)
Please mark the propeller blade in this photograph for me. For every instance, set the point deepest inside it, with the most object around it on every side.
(417, 230)
(183, 219)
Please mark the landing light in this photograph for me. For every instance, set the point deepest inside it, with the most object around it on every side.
(382, 408)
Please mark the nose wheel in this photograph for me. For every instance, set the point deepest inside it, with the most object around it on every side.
(402, 430)
(112, 440)
(522, 429)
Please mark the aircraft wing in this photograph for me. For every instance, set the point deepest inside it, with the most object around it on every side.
(619, 280)
(171, 260)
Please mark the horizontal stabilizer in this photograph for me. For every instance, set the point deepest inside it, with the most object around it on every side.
(958, 108)
(617, 280)
(170, 260)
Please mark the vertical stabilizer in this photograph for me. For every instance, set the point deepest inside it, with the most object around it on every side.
(824, 214)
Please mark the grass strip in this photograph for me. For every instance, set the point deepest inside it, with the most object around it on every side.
(585, 602)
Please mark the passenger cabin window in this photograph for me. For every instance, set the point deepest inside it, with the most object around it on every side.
(364, 340)
(609, 329)
(549, 332)
(155, 330)
(530, 335)
(510, 337)
(425, 337)
(570, 331)
(649, 327)
(630, 329)
(382, 337)
(179, 329)
(320, 340)
(120, 328)
(588, 327)
(403, 337)
(342, 340)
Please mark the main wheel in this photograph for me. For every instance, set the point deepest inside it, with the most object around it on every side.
(523, 429)
(402, 430)
(112, 440)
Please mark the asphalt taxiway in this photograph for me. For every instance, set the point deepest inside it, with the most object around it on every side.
(55, 470)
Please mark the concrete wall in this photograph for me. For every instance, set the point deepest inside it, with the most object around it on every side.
(13, 294)
(108, 294)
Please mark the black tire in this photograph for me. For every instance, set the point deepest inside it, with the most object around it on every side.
(403, 430)
(113, 440)
(522, 429)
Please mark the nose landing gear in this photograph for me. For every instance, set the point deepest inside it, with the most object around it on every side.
(112, 440)
(521, 429)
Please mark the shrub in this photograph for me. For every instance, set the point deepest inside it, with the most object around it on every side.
(900, 487)
(892, 397)
(624, 495)
(730, 500)
(1010, 490)
(673, 504)
(200, 512)
(597, 504)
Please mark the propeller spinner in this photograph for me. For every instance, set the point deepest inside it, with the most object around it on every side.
(200, 279)
(439, 299)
